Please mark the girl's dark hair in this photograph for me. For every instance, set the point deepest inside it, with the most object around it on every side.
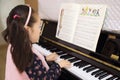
(16, 35)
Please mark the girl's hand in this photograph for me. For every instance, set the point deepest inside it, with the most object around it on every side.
(52, 57)
(64, 64)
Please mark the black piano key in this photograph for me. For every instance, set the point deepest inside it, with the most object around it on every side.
(86, 68)
(103, 76)
(60, 52)
(111, 78)
(66, 56)
(93, 73)
(82, 64)
(99, 74)
(73, 60)
(57, 50)
(77, 64)
(45, 45)
(53, 49)
(49, 47)
(91, 69)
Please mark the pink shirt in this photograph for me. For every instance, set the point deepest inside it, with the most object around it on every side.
(12, 73)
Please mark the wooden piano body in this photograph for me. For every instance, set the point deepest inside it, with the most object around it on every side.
(110, 66)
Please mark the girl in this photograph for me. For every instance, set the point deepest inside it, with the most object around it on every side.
(23, 29)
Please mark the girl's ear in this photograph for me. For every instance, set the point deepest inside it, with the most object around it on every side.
(27, 28)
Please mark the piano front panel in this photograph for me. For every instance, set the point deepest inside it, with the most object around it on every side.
(86, 64)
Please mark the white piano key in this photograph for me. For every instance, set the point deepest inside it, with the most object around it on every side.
(115, 78)
(77, 72)
(42, 50)
(62, 54)
(76, 61)
(85, 66)
(107, 77)
(81, 74)
(70, 58)
(93, 70)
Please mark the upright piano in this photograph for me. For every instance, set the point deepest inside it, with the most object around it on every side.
(104, 64)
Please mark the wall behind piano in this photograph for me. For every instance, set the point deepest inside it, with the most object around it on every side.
(49, 9)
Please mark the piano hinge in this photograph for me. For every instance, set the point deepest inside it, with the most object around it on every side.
(115, 57)
(112, 37)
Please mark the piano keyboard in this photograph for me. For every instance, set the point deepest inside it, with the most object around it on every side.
(81, 68)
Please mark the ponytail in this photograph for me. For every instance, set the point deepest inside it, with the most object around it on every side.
(18, 37)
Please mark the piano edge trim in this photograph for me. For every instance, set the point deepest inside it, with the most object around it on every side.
(98, 60)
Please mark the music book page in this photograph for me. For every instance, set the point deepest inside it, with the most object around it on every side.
(80, 24)
(67, 22)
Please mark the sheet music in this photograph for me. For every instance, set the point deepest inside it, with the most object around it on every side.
(81, 24)
(88, 26)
